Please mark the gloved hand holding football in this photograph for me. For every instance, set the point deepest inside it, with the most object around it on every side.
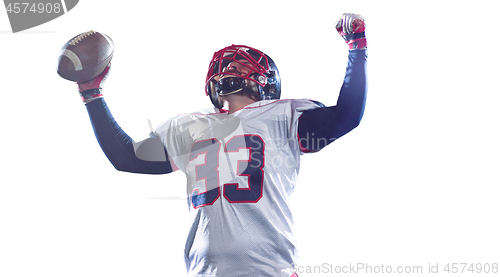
(85, 59)
(92, 89)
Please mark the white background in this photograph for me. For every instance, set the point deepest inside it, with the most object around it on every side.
(415, 184)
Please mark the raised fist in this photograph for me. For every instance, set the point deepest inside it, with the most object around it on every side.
(352, 28)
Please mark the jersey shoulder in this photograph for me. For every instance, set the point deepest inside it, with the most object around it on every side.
(295, 104)
(186, 117)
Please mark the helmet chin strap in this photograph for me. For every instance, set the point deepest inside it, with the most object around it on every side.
(230, 92)
(230, 85)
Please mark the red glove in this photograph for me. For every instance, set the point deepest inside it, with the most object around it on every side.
(352, 28)
(92, 90)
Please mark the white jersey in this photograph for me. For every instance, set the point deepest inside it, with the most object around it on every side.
(241, 169)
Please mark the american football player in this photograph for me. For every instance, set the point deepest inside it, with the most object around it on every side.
(241, 157)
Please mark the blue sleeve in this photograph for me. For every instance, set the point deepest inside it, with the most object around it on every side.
(118, 146)
(321, 126)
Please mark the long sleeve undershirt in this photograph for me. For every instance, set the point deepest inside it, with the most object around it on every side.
(118, 146)
(323, 124)
(320, 127)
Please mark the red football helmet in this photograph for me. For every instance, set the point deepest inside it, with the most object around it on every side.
(262, 81)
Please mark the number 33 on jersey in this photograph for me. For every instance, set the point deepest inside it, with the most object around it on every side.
(206, 160)
(235, 158)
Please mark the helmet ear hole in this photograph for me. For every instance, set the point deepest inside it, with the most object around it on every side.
(261, 79)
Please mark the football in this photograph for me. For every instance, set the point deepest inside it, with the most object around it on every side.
(85, 56)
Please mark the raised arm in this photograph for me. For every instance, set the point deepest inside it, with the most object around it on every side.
(327, 124)
(148, 156)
